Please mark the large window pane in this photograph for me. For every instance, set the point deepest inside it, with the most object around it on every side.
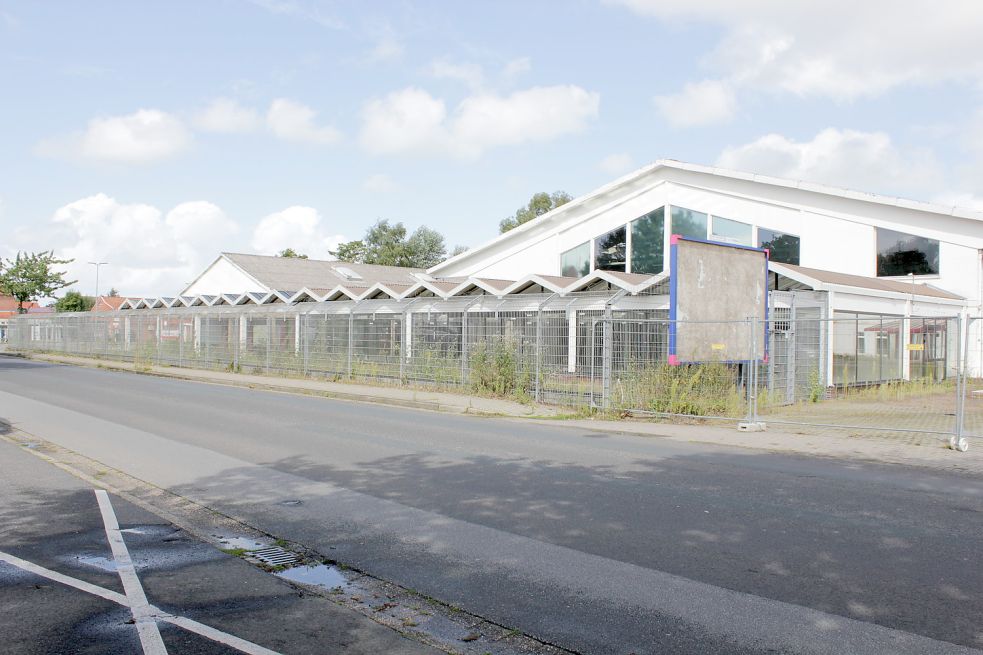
(900, 254)
(576, 261)
(730, 231)
(783, 248)
(610, 250)
(688, 223)
(647, 243)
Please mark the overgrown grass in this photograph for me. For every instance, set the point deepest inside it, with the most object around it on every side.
(496, 368)
(709, 389)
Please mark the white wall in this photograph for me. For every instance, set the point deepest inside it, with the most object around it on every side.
(222, 277)
(836, 233)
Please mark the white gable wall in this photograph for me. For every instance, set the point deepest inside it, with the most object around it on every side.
(836, 233)
(223, 277)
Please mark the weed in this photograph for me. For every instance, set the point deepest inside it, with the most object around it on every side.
(235, 552)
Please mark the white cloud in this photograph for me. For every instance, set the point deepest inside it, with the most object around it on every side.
(379, 183)
(144, 136)
(294, 121)
(412, 120)
(295, 227)
(149, 252)
(516, 67)
(867, 161)
(617, 163)
(699, 103)
(840, 49)
(470, 74)
(227, 116)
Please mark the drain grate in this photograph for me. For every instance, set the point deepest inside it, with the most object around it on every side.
(274, 556)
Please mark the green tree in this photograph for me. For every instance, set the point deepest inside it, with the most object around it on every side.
(30, 276)
(113, 293)
(386, 243)
(539, 204)
(458, 250)
(73, 301)
(290, 253)
(350, 251)
(426, 247)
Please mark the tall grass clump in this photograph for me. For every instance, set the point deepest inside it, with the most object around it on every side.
(709, 389)
(497, 369)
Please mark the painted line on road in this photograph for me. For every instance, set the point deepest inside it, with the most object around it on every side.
(146, 625)
(190, 625)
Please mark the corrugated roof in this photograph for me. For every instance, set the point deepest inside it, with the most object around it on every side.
(296, 273)
(863, 282)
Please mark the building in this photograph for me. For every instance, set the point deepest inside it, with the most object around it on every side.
(8, 309)
(885, 286)
(107, 303)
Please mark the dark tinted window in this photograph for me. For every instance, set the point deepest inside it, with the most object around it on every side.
(610, 250)
(689, 223)
(783, 248)
(900, 254)
(647, 243)
(576, 261)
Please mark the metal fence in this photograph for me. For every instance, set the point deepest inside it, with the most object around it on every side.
(866, 375)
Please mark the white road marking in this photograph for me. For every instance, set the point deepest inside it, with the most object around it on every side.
(190, 625)
(143, 616)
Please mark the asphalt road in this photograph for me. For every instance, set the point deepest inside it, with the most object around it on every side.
(53, 520)
(598, 543)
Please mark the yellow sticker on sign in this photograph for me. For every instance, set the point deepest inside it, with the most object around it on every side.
(916, 346)
(716, 346)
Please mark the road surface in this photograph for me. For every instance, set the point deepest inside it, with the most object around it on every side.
(597, 543)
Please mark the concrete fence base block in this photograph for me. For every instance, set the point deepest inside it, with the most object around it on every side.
(752, 426)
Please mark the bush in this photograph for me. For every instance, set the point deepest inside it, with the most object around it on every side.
(497, 369)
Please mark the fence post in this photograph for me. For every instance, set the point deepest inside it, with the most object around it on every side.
(607, 352)
(962, 356)
(269, 340)
(351, 337)
(749, 378)
(305, 340)
(180, 341)
(236, 344)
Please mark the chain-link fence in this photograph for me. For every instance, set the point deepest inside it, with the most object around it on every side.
(911, 378)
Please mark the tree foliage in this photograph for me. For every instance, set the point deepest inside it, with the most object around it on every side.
(73, 301)
(30, 276)
(387, 244)
(539, 204)
(113, 293)
(291, 253)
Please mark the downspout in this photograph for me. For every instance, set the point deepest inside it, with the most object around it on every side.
(407, 327)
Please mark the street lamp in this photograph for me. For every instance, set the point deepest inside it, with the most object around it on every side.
(97, 265)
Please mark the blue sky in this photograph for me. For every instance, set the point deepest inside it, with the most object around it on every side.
(155, 135)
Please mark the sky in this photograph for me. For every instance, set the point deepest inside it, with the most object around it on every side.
(154, 136)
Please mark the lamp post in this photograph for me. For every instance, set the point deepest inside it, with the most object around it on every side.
(97, 265)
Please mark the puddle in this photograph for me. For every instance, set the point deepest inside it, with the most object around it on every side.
(101, 563)
(321, 575)
(241, 542)
(32, 446)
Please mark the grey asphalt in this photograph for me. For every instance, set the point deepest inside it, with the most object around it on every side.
(51, 519)
(598, 543)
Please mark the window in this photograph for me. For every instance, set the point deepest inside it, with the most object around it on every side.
(900, 254)
(730, 231)
(610, 250)
(688, 223)
(576, 261)
(647, 242)
(783, 248)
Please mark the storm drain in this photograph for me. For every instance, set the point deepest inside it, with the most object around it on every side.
(274, 556)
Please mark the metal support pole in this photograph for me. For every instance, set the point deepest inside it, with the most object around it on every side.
(269, 340)
(305, 340)
(351, 336)
(464, 339)
(539, 342)
(607, 348)
(237, 344)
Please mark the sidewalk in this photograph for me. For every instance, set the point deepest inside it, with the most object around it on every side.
(929, 453)
(402, 396)
(891, 448)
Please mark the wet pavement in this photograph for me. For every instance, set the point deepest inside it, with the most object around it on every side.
(52, 520)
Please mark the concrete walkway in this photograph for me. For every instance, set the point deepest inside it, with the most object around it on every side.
(388, 395)
(890, 448)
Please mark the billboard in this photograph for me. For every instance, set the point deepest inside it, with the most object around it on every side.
(715, 289)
